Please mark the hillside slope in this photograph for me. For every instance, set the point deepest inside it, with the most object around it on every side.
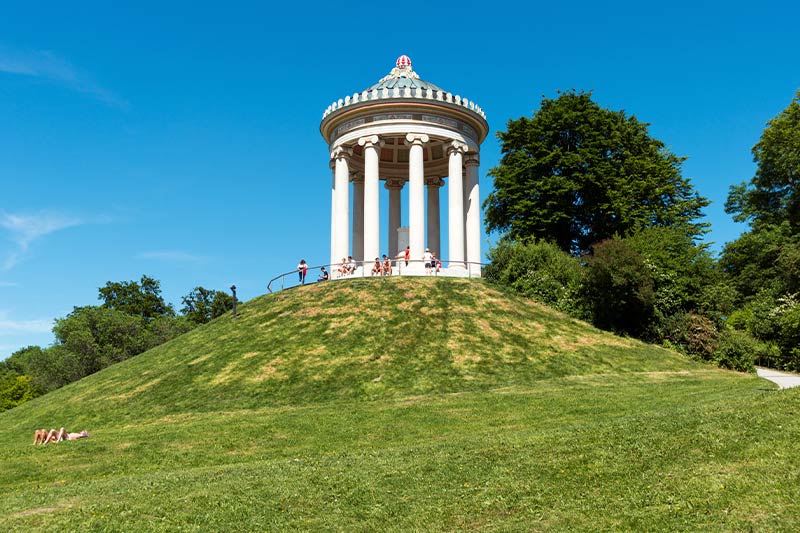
(370, 339)
(322, 408)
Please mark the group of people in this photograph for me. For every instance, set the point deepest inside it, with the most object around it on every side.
(42, 436)
(347, 266)
(431, 262)
(302, 270)
(382, 268)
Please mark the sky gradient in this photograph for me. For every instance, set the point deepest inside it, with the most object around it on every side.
(182, 141)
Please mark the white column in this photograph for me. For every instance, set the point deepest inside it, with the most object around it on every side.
(465, 198)
(372, 244)
(341, 155)
(473, 215)
(455, 197)
(416, 196)
(434, 233)
(394, 186)
(358, 216)
(333, 213)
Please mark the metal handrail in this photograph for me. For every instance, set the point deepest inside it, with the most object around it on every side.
(473, 269)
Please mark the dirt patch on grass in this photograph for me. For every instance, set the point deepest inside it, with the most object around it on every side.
(138, 390)
(42, 510)
(318, 350)
(248, 355)
(313, 312)
(270, 371)
(483, 326)
(341, 324)
(226, 374)
(199, 359)
(569, 344)
(405, 306)
(460, 359)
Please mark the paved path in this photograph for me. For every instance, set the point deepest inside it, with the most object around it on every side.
(784, 381)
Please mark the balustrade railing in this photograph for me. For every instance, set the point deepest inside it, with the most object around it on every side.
(364, 269)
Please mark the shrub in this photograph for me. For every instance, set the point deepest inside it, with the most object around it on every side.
(538, 270)
(618, 288)
(15, 390)
(737, 350)
(787, 319)
(694, 334)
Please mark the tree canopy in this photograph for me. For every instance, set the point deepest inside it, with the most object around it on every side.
(136, 298)
(202, 305)
(576, 174)
(772, 196)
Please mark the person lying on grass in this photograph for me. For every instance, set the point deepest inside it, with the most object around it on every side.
(42, 436)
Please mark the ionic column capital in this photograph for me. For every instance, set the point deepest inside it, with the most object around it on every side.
(369, 141)
(457, 146)
(417, 138)
(394, 183)
(434, 182)
(341, 152)
(357, 177)
(472, 160)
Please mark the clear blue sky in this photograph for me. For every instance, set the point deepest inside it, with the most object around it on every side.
(182, 141)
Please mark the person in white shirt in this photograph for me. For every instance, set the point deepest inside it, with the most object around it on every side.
(427, 257)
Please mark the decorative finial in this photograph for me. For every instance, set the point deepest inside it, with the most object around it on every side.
(402, 69)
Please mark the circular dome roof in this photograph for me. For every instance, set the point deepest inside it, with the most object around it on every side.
(402, 76)
(413, 98)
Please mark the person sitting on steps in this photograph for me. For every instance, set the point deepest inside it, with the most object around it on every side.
(376, 267)
(342, 270)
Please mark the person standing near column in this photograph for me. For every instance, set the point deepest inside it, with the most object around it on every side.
(302, 269)
(427, 258)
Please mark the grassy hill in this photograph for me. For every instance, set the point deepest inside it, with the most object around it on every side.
(402, 404)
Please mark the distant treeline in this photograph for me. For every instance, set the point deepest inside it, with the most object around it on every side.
(132, 319)
(597, 220)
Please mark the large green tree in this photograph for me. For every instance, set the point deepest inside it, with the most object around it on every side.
(202, 305)
(772, 196)
(763, 264)
(576, 173)
(142, 298)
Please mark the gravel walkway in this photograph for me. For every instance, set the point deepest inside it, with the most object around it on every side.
(784, 381)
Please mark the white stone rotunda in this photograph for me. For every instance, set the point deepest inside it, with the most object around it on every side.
(404, 130)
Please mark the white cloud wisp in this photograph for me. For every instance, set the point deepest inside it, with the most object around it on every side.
(46, 65)
(24, 229)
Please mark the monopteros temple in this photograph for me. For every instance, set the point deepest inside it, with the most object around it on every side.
(405, 131)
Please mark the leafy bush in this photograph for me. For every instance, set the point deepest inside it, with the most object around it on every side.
(787, 319)
(692, 333)
(15, 390)
(618, 287)
(740, 319)
(538, 270)
(680, 267)
(737, 350)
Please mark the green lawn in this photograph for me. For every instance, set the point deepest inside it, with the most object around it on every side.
(580, 430)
